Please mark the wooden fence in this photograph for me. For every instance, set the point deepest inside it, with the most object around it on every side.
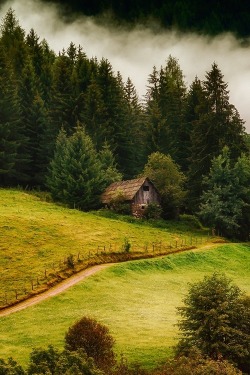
(57, 271)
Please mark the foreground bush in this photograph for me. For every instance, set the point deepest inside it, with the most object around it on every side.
(94, 338)
(195, 364)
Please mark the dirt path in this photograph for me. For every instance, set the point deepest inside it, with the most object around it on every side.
(67, 283)
(57, 289)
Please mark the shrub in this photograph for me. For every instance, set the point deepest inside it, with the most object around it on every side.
(126, 245)
(95, 339)
(196, 364)
(119, 204)
(192, 221)
(153, 211)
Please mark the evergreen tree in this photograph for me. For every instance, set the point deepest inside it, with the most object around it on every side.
(217, 124)
(62, 102)
(215, 319)
(225, 202)
(136, 129)
(109, 167)
(165, 109)
(13, 42)
(76, 176)
(12, 138)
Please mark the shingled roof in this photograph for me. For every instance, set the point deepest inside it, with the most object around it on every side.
(129, 188)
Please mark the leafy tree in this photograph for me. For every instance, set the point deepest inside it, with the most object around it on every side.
(43, 361)
(168, 179)
(215, 319)
(95, 339)
(76, 177)
(52, 362)
(225, 202)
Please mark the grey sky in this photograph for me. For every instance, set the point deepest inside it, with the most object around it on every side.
(135, 52)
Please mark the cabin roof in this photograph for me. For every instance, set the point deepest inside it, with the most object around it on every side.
(129, 188)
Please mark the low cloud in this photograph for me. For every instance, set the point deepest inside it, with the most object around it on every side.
(134, 52)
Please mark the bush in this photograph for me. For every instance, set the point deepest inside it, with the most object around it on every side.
(126, 245)
(196, 364)
(192, 221)
(153, 211)
(94, 339)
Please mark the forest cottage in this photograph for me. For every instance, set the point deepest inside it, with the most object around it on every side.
(139, 193)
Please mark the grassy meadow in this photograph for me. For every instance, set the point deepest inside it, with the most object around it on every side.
(37, 236)
(136, 300)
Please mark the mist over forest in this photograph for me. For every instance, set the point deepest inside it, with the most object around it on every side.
(135, 49)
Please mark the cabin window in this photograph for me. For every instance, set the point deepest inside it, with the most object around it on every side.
(142, 207)
(145, 188)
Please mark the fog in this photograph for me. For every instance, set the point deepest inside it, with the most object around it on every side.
(134, 52)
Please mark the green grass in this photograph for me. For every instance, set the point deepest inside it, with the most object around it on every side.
(36, 235)
(136, 300)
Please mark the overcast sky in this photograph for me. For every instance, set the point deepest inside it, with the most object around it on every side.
(135, 52)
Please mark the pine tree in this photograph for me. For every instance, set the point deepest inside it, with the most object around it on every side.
(109, 167)
(165, 107)
(11, 135)
(76, 176)
(217, 124)
(225, 201)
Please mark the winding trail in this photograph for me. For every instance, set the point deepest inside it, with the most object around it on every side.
(57, 289)
(72, 280)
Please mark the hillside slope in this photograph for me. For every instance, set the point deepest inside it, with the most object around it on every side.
(136, 300)
(37, 237)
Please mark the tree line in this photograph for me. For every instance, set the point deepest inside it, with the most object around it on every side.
(211, 17)
(69, 124)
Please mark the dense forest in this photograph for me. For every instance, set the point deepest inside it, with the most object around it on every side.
(69, 124)
(209, 17)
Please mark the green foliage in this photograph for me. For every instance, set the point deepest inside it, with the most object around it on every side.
(10, 367)
(153, 211)
(126, 245)
(215, 319)
(94, 338)
(52, 362)
(168, 179)
(70, 261)
(119, 203)
(214, 123)
(225, 202)
(191, 220)
(109, 167)
(76, 176)
(196, 364)
(165, 104)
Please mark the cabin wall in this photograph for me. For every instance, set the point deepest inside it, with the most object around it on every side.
(146, 194)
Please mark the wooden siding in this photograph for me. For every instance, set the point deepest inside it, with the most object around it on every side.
(144, 197)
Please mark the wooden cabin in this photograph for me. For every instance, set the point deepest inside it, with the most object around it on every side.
(138, 193)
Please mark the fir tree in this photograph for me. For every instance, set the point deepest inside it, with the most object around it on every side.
(76, 176)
